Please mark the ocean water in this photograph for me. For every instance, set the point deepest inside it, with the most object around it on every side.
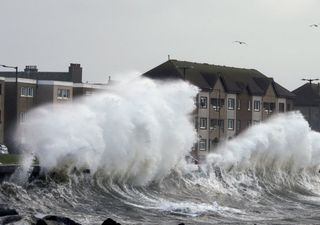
(135, 147)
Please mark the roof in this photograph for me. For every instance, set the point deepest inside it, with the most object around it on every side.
(307, 95)
(205, 76)
(59, 76)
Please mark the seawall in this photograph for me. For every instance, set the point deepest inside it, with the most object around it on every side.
(8, 169)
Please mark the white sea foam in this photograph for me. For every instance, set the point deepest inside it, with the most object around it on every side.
(285, 140)
(138, 130)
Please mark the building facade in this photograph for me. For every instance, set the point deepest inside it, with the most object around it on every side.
(21, 92)
(229, 101)
(308, 103)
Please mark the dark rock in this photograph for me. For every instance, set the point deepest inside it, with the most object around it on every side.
(60, 220)
(10, 219)
(87, 171)
(8, 212)
(35, 173)
(181, 224)
(110, 221)
(41, 222)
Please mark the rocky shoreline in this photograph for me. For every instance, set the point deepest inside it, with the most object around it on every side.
(12, 217)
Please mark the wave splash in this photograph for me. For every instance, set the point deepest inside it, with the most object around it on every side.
(264, 174)
(136, 131)
(284, 142)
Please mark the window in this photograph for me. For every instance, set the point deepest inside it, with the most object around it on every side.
(217, 103)
(0, 89)
(216, 124)
(213, 124)
(203, 102)
(281, 107)
(238, 104)
(238, 125)
(256, 106)
(268, 107)
(231, 103)
(26, 92)
(230, 124)
(203, 145)
(203, 123)
(249, 105)
(63, 94)
(23, 91)
(30, 91)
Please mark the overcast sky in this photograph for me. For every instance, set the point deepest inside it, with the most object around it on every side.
(116, 37)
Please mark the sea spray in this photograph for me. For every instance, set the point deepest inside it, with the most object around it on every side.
(265, 175)
(285, 141)
(136, 131)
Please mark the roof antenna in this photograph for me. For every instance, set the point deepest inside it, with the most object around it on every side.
(168, 57)
(309, 80)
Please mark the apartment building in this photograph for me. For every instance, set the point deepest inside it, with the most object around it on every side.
(229, 101)
(21, 92)
(308, 103)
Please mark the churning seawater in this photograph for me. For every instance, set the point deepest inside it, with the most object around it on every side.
(134, 140)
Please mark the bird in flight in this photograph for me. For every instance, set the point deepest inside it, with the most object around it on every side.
(240, 42)
(315, 25)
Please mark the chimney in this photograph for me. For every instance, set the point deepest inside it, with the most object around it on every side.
(31, 69)
(75, 70)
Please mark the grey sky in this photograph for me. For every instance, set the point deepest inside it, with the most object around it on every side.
(114, 37)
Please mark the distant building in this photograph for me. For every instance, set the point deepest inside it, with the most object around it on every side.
(73, 75)
(230, 99)
(307, 101)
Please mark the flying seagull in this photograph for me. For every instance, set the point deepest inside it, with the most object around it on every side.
(315, 25)
(240, 42)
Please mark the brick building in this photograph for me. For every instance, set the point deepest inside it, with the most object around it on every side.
(21, 92)
(230, 99)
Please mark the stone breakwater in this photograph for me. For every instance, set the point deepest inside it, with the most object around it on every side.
(11, 216)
